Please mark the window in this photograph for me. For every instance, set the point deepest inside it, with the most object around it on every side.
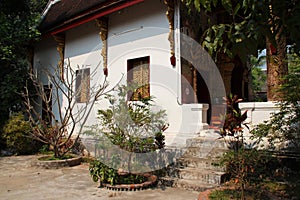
(82, 85)
(138, 75)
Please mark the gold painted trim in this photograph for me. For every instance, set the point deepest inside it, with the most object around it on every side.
(60, 40)
(102, 23)
(170, 16)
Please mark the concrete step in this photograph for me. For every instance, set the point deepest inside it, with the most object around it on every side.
(204, 152)
(202, 176)
(194, 185)
(194, 170)
(200, 163)
(206, 142)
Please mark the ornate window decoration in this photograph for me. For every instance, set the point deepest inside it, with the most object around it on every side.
(138, 75)
(60, 39)
(170, 16)
(82, 85)
(102, 23)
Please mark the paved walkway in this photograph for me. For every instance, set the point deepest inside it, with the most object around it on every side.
(20, 181)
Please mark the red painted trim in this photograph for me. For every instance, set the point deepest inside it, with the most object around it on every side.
(101, 14)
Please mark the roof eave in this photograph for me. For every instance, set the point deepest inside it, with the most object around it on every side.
(91, 15)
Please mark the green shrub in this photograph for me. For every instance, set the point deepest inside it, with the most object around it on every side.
(247, 166)
(284, 125)
(241, 163)
(104, 174)
(17, 135)
(133, 125)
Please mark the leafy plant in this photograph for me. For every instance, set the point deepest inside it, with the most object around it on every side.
(234, 119)
(284, 126)
(45, 149)
(246, 166)
(249, 166)
(133, 125)
(17, 135)
(104, 174)
(243, 165)
(18, 31)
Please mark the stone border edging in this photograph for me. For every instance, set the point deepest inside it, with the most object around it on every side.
(152, 179)
(55, 164)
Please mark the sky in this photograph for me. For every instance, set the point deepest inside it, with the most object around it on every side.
(263, 53)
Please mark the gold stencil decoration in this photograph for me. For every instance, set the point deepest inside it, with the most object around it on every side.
(170, 16)
(60, 39)
(102, 23)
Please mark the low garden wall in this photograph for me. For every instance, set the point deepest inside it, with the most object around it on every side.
(258, 112)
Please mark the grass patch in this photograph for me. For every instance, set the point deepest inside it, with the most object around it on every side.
(287, 190)
(266, 189)
(229, 194)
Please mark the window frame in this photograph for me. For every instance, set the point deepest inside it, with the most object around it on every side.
(131, 64)
(80, 79)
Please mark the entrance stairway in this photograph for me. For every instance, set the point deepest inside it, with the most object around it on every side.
(195, 170)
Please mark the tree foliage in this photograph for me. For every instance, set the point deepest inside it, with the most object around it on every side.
(258, 75)
(241, 27)
(137, 127)
(134, 126)
(283, 126)
(18, 22)
(18, 29)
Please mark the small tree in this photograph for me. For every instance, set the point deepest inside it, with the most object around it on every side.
(133, 125)
(244, 163)
(233, 128)
(56, 129)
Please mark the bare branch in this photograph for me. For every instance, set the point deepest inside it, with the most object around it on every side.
(60, 93)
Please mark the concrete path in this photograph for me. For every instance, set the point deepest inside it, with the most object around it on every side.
(20, 181)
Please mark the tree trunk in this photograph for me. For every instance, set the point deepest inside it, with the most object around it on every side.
(250, 81)
(56, 151)
(277, 66)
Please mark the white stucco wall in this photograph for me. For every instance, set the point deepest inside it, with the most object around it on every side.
(258, 112)
(46, 58)
(138, 31)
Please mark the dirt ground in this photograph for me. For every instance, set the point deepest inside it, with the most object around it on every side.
(20, 181)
